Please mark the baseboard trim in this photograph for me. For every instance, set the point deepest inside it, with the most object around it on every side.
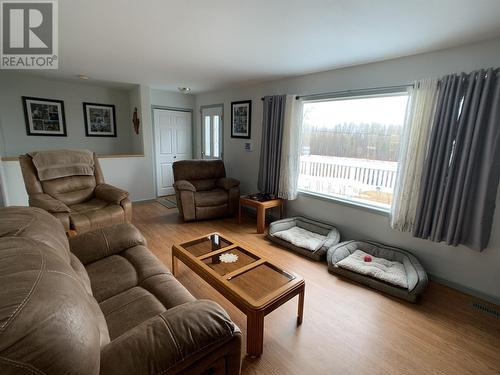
(147, 200)
(466, 290)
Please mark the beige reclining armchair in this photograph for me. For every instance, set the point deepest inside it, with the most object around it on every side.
(203, 191)
(69, 184)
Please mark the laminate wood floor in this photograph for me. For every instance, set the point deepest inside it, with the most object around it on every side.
(347, 328)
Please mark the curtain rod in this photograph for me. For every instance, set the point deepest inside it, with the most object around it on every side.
(359, 91)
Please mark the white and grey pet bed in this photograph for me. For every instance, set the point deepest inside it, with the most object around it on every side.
(390, 269)
(305, 236)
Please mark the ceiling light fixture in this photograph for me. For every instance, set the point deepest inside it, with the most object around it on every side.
(184, 90)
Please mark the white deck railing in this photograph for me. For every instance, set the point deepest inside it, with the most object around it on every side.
(360, 174)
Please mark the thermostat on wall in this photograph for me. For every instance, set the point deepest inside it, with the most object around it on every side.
(248, 146)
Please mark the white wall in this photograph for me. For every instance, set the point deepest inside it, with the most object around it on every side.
(135, 102)
(172, 99)
(478, 273)
(134, 174)
(127, 173)
(15, 85)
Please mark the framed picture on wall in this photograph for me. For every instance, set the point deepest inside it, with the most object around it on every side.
(44, 117)
(241, 116)
(100, 120)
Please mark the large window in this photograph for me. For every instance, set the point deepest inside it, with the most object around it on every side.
(350, 147)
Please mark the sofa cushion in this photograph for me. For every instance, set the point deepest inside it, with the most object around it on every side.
(198, 169)
(92, 246)
(210, 198)
(90, 205)
(132, 287)
(204, 185)
(128, 309)
(95, 214)
(110, 276)
(70, 190)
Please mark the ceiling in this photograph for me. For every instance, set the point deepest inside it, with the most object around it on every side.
(213, 44)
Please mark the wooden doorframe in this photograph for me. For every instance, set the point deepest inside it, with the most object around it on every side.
(167, 108)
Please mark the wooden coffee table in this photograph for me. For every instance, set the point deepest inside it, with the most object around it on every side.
(261, 207)
(253, 284)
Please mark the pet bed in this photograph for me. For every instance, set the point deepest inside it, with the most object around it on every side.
(345, 259)
(305, 236)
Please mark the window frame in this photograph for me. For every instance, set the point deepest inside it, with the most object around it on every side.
(347, 95)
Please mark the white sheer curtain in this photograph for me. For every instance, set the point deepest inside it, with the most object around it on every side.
(420, 113)
(290, 154)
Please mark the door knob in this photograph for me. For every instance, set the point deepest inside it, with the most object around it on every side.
(175, 157)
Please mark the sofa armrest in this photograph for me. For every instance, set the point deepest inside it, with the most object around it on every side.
(97, 244)
(127, 209)
(184, 185)
(227, 183)
(46, 202)
(110, 193)
(176, 341)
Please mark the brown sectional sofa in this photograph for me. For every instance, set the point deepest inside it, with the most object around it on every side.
(100, 303)
(203, 191)
(70, 185)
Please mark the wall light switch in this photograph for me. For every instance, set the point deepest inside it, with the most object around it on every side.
(248, 146)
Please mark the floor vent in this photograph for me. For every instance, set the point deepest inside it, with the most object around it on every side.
(486, 309)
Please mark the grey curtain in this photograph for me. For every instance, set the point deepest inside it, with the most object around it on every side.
(462, 168)
(271, 144)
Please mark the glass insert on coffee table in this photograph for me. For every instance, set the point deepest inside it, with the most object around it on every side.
(253, 284)
(206, 244)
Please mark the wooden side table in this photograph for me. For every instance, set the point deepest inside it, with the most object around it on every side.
(261, 210)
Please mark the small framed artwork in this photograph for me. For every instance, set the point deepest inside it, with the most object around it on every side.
(44, 117)
(100, 120)
(241, 119)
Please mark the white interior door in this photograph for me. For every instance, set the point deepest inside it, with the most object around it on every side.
(172, 142)
(211, 132)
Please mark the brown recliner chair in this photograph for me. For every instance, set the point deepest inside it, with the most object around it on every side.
(70, 185)
(101, 303)
(203, 191)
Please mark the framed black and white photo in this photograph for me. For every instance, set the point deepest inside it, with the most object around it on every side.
(241, 116)
(100, 120)
(44, 117)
